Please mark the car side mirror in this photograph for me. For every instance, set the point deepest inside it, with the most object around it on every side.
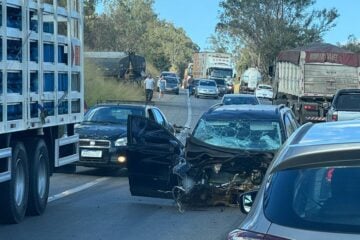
(246, 201)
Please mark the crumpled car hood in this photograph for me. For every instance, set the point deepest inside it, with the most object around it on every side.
(200, 154)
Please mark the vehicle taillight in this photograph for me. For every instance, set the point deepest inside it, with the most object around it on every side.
(334, 116)
(248, 235)
(310, 107)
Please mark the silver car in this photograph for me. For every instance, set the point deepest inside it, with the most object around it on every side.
(345, 106)
(311, 189)
(207, 88)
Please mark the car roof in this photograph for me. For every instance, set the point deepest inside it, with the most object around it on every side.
(129, 104)
(321, 144)
(244, 111)
(239, 95)
(167, 72)
(348, 90)
(209, 80)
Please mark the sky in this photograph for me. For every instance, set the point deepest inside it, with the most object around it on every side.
(199, 17)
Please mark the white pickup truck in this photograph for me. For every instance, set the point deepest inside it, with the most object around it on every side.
(345, 106)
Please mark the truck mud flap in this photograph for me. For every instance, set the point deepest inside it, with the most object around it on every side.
(62, 156)
(315, 119)
(5, 164)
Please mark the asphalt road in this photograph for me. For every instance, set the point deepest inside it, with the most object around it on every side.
(95, 204)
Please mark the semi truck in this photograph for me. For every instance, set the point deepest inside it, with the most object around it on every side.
(41, 99)
(216, 66)
(306, 78)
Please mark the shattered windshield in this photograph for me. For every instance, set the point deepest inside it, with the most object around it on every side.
(246, 134)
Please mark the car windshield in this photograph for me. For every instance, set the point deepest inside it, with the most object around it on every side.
(348, 102)
(265, 87)
(322, 199)
(117, 115)
(207, 83)
(262, 135)
(240, 100)
(221, 73)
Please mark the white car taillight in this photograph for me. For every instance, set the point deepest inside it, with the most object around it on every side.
(334, 116)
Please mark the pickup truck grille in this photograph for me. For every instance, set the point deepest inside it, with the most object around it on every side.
(90, 143)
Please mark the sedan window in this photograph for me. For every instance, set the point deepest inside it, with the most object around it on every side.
(322, 199)
(158, 117)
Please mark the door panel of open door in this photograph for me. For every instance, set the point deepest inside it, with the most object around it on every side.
(152, 153)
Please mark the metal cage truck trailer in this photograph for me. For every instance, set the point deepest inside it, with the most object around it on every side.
(307, 78)
(41, 99)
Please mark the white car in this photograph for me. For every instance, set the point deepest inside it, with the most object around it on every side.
(264, 91)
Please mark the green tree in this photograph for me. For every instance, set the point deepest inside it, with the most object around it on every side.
(268, 26)
(352, 44)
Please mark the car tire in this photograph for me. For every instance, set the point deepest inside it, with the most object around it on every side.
(14, 193)
(39, 177)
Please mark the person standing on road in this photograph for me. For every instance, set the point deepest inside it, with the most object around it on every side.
(149, 88)
(190, 81)
(162, 86)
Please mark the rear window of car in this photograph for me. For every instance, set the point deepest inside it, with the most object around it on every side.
(320, 199)
(240, 100)
(171, 80)
(348, 102)
(260, 135)
(265, 87)
(105, 114)
(207, 83)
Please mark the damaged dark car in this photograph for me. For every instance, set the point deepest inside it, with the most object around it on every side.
(228, 153)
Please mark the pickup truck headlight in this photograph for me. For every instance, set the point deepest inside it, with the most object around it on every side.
(121, 142)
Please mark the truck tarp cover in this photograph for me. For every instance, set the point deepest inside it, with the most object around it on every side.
(321, 53)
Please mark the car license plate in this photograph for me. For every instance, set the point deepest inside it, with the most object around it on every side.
(91, 153)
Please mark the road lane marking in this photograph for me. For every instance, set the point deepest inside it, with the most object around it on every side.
(189, 112)
(77, 189)
(183, 134)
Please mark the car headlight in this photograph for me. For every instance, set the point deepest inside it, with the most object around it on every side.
(121, 142)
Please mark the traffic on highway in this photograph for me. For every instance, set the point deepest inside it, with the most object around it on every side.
(115, 123)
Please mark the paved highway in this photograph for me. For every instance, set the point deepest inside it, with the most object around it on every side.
(95, 204)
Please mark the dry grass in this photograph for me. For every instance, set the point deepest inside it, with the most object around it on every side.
(97, 88)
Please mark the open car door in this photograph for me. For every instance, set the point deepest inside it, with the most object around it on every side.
(152, 153)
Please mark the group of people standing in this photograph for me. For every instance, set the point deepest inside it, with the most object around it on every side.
(150, 85)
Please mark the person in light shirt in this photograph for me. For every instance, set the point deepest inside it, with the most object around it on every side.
(149, 88)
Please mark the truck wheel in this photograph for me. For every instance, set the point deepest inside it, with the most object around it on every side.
(14, 193)
(39, 177)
